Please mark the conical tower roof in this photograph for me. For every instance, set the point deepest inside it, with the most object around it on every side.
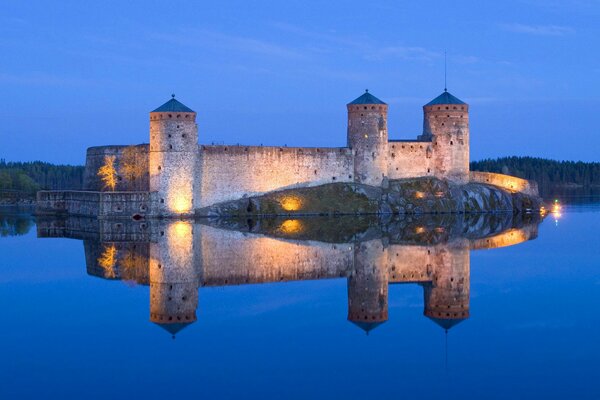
(445, 98)
(366, 98)
(173, 106)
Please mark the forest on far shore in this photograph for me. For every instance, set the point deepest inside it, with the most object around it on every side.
(545, 172)
(24, 179)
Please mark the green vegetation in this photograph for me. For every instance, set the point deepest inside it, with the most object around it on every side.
(23, 179)
(545, 172)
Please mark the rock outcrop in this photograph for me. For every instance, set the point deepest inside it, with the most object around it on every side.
(402, 196)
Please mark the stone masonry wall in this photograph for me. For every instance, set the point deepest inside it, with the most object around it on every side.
(96, 204)
(447, 125)
(409, 159)
(131, 166)
(368, 138)
(172, 161)
(232, 172)
(510, 183)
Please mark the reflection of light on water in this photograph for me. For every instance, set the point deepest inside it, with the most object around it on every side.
(291, 226)
(108, 260)
(181, 229)
(556, 211)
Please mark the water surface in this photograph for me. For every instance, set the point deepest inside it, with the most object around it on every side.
(475, 307)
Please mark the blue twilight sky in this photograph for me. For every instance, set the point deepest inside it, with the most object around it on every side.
(75, 74)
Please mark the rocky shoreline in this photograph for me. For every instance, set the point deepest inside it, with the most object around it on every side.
(403, 196)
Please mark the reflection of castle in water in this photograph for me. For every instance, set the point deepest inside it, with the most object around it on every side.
(177, 257)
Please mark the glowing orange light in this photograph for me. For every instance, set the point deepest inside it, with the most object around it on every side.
(419, 195)
(181, 229)
(108, 260)
(419, 229)
(292, 226)
(556, 211)
(108, 173)
(291, 203)
(181, 204)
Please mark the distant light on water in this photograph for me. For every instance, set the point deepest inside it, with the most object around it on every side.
(556, 211)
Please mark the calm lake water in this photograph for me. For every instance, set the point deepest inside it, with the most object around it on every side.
(484, 307)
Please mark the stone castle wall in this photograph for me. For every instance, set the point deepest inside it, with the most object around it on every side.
(409, 159)
(507, 182)
(96, 204)
(131, 164)
(232, 172)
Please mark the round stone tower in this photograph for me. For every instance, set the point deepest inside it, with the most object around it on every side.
(368, 138)
(173, 155)
(446, 124)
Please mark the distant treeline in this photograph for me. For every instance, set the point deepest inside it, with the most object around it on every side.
(25, 178)
(545, 172)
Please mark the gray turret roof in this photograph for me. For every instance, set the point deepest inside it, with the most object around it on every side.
(366, 98)
(445, 98)
(173, 106)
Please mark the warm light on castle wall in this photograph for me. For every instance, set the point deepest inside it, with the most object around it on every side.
(291, 203)
(182, 204)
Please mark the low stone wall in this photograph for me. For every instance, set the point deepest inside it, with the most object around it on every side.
(507, 182)
(96, 204)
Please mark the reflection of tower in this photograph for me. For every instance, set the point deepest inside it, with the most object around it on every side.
(368, 286)
(173, 278)
(447, 296)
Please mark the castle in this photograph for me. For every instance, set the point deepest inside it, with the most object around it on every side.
(188, 176)
(175, 176)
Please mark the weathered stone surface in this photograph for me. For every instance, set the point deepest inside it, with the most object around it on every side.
(411, 196)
